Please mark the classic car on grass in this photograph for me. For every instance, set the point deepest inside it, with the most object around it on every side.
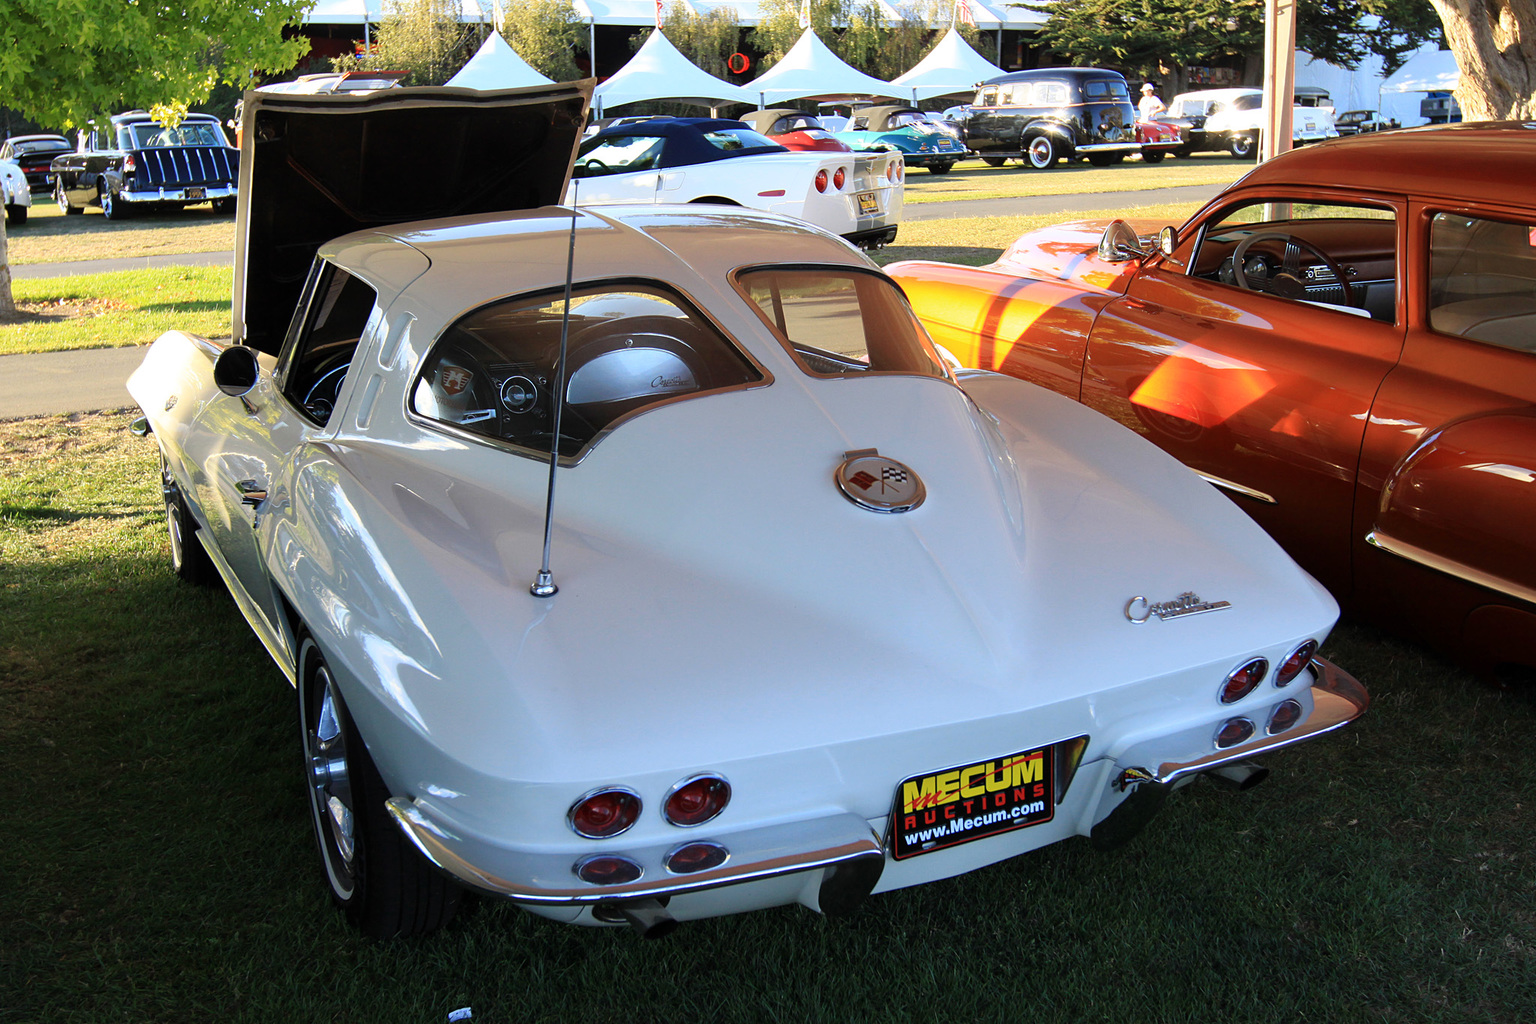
(801, 615)
(14, 193)
(922, 143)
(794, 130)
(1044, 115)
(136, 163)
(725, 163)
(1355, 122)
(1157, 140)
(1232, 120)
(1344, 341)
(34, 155)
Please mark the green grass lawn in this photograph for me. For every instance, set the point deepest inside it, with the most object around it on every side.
(975, 180)
(158, 863)
(51, 237)
(129, 307)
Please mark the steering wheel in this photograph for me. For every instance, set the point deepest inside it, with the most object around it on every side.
(320, 400)
(1288, 283)
(593, 165)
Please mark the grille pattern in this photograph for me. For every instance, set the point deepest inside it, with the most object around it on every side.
(180, 166)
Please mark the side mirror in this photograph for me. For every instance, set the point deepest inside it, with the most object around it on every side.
(236, 371)
(1120, 243)
(1168, 240)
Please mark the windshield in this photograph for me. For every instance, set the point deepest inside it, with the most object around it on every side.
(153, 136)
(837, 321)
(41, 146)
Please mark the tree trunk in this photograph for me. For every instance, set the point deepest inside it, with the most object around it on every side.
(7, 301)
(1495, 46)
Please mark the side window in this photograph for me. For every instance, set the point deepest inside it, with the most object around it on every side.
(1337, 256)
(1482, 280)
(837, 322)
(987, 97)
(617, 154)
(323, 339)
(629, 347)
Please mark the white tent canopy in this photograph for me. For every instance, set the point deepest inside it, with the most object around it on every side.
(952, 66)
(1426, 71)
(658, 71)
(808, 70)
(496, 66)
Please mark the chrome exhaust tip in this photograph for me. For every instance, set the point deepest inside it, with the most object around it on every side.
(1241, 776)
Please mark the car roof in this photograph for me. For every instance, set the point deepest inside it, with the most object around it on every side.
(138, 116)
(38, 138)
(1030, 74)
(685, 138)
(1218, 94)
(1493, 161)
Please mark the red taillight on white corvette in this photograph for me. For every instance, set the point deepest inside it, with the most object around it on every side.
(821, 180)
(1295, 663)
(604, 813)
(696, 800)
(1243, 679)
(838, 177)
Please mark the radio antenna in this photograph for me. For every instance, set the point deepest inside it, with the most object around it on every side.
(544, 585)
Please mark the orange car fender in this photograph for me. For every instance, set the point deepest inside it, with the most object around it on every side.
(1460, 501)
(981, 317)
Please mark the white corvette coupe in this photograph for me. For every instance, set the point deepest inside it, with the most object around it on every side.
(641, 564)
(708, 160)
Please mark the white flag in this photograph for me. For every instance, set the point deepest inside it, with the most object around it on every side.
(805, 13)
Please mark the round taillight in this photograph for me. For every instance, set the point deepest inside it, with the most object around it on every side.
(1233, 731)
(821, 180)
(838, 177)
(604, 813)
(1242, 680)
(696, 800)
(693, 857)
(1286, 714)
(1295, 663)
(606, 869)
(897, 169)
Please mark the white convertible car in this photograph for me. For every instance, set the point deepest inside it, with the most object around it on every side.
(709, 160)
(797, 615)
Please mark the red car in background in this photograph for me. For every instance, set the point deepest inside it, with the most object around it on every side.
(1157, 140)
(795, 129)
(1344, 341)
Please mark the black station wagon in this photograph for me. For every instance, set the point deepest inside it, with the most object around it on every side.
(1048, 114)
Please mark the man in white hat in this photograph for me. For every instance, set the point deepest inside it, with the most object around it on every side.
(1150, 106)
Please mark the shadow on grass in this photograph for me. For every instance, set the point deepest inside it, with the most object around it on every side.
(971, 256)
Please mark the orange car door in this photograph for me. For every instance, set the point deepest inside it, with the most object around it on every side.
(1262, 381)
(1449, 463)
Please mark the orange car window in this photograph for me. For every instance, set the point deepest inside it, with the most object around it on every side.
(1482, 280)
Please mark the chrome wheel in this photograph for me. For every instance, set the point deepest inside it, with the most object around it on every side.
(330, 783)
(1041, 152)
(62, 198)
(188, 559)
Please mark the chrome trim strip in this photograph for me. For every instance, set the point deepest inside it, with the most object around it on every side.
(1109, 147)
(177, 194)
(545, 878)
(1440, 563)
(1235, 488)
(1338, 699)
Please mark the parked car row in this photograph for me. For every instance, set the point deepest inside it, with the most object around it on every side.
(131, 163)
(810, 616)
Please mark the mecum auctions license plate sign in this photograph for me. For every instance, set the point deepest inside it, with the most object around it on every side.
(940, 809)
(868, 203)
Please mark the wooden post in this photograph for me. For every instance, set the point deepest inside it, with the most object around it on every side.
(1279, 76)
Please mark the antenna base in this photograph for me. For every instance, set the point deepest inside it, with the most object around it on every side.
(544, 586)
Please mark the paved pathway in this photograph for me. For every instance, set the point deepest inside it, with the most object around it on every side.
(89, 379)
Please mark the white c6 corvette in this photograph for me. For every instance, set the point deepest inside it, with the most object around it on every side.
(821, 618)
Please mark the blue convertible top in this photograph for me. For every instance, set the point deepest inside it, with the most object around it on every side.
(691, 140)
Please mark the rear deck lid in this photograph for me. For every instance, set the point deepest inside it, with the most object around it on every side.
(314, 168)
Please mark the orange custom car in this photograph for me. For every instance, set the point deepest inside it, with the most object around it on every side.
(1344, 341)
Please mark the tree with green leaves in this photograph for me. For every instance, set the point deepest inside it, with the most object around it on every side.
(858, 33)
(1163, 38)
(545, 33)
(66, 63)
(424, 37)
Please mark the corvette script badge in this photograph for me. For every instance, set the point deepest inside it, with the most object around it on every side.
(872, 481)
(1139, 609)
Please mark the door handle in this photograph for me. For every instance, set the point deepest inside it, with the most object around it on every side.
(251, 492)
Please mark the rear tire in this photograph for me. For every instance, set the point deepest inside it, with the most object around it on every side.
(226, 205)
(939, 168)
(16, 214)
(62, 198)
(384, 884)
(110, 207)
(1242, 146)
(1153, 158)
(994, 161)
